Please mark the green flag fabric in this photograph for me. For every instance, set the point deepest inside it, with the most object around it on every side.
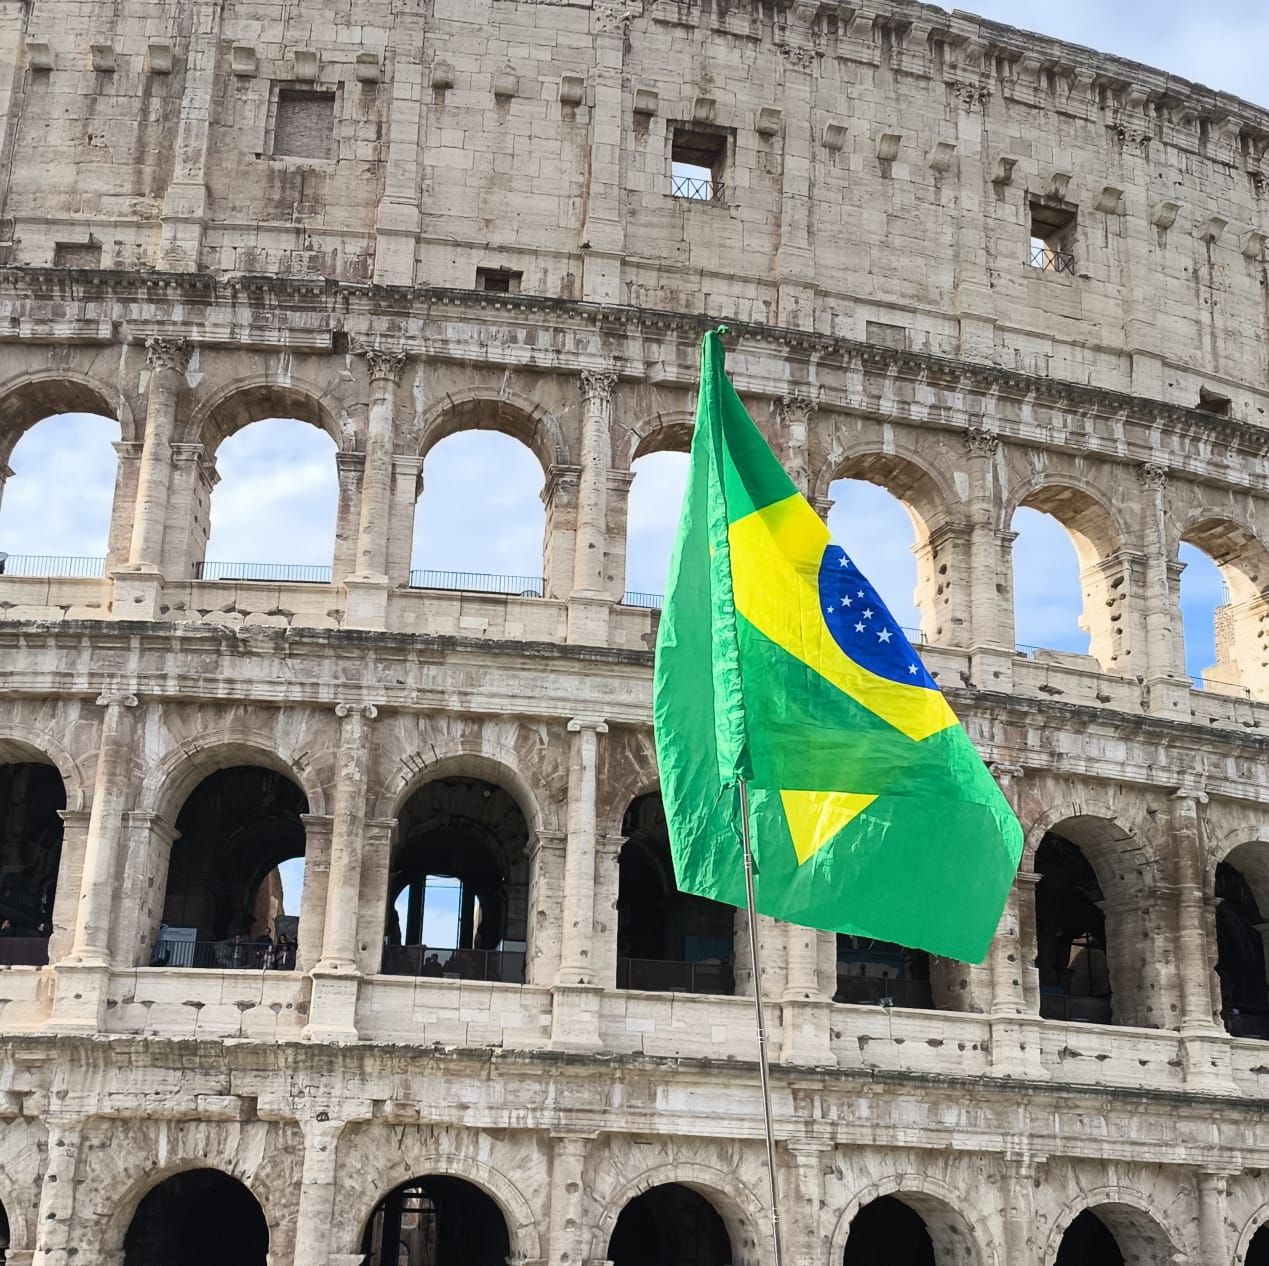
(777, 664)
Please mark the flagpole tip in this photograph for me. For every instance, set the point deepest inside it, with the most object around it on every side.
(722, 329)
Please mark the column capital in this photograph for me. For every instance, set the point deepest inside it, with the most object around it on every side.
(1196, 794)
(981, 440)
(367, 711)
(573, 1140)
(598, 384)
(123, 698)
(1006, 772)
(1153, 476)
(167, 353)
(383, 364)
(598, 724)
(796, 409)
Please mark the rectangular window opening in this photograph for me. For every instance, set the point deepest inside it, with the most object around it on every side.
(1214, 402)
(304, 126)
(697, 163)
(77, 254)
(503, 281)
(1053, 237)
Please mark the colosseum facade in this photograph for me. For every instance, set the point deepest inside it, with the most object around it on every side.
(978, 267)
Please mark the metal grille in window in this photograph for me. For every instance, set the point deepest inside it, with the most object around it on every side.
(702, 188)
(1050, 260)
(304, 126)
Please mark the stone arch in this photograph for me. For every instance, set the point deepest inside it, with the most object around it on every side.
(743, 1214)
(926, 493)
(20, 745)
(522, 1224)
(1145, 1235)
(957, 1241)
(1240, 839)
(31, 398)
(508, 412)
(16, 1212)
(128, 1200)
(1237, 550)
(169, 782)
(1094, 525)
(1101, 827)
(254, 397)
(478, 758)
(1253, 1224)
(667, 432)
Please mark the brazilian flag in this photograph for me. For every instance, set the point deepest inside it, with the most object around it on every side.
(777, 664)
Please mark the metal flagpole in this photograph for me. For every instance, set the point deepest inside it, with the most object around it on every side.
(763, 1072)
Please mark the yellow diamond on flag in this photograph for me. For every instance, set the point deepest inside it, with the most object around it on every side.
(814, 817)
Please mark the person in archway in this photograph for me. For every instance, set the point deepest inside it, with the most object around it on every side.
(264, 950)
(283, 953)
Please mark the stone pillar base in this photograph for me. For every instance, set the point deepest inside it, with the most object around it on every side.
(1208, 1069)
(797, 301)
(805, 1026)
(977, 336)
(601, 277)
(1168, 697)
(138, 594)
(991, 667)
(81, 991)
(332, 1015)
(366, 602)
(575, 1018)
(1015, 1048)
(588, 615)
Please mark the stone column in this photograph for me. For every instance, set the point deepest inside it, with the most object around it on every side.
(576, 1007)
(398, 219)
(795, 257)
(334, 1002)
(70, 874)
(1212, 1215)
(407, 487)
(990, 609)
(797, 417)
(802, 1193)
(317, 1190)
(567, 1233)
(317, 837)
(804, 1004)
(349, 464)
(55, 1242)
(589, 602)
(123, 504)
(603, 236)
(1167, 683)
(167, 360)
(559, 498)
(193, 478)
(368, 587)
(1194, 956)
(83, 977)
(1021, 1178)
(546, 851)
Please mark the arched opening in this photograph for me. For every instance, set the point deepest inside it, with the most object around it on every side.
(32, 797)
(274, 498)
(667, 940)
(227, 903)
(458, 884)
(436, 1221)
(888, 1232)
(1258, 1249)
(882, 973)
(57, 504)
(670, 1225)
(656, 496)
(4, 1235)
(1049, 600)
(1088, 1242)
(198, 1218)
(886, 540)
(1240, 946)
(1225, 571)
(480, 522)
(1070, 935)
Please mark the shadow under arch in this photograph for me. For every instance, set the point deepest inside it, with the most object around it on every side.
(1097, 829)
(46, 394)
(1143, 1235)
(669, 432)
(508, 412)
(955, 1239)
(522, 1224)
(169, 782)
(41, 748)
(744, 1216)
(254, 398)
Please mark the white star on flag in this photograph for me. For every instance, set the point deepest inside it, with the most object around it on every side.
(884, 635)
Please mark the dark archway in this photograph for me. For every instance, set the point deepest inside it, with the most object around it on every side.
(436, 1221)
(4, 1235)
(879, 972)
(666, 939)
(199, 1218)
(1088, 1242)
(224, 906)
(670, 1225)
(1070, 935)
(31, 799)
(888, 1232)
(1258, 1249)
(1240, 955)
(458, 885)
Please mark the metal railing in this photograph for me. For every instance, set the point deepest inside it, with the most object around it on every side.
(288, 573)
(52, 565)
(650, 601)
(668, 976)
(1214, 686)
(479, 582)
(223, 955)
(1072, 1006)
(23, 951)
(1052, 261)
(697, 188)
(506, 966)
(1246, 1023)
(900, 991)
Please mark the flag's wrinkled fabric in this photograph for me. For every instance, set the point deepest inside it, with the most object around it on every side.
(777, 664)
